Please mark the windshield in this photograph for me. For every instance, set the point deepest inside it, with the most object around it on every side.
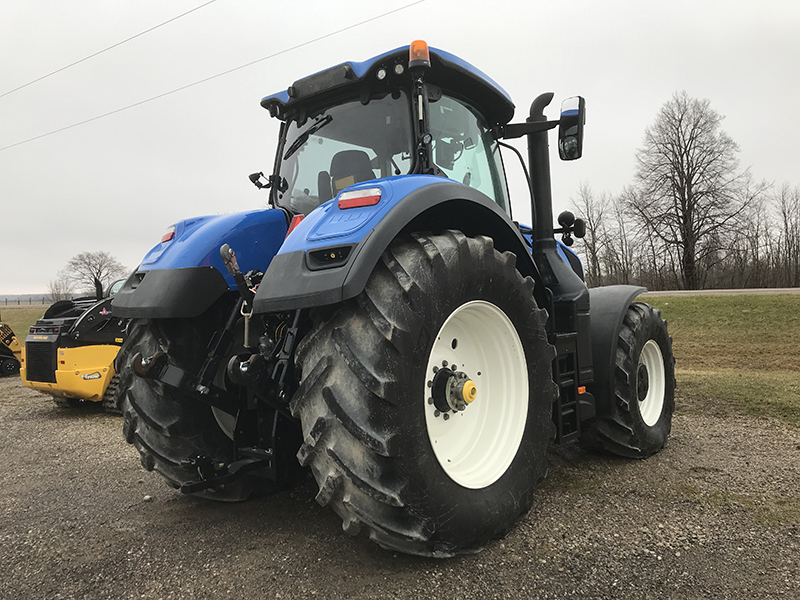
(341, 146)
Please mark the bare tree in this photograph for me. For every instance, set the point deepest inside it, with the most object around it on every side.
(626, 257)
(689, 186)
(787, 203)
(592, 211)
(59, 289)
(93, 271)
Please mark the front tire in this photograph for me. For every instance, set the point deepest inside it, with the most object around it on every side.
(390, 455)
(640, 419)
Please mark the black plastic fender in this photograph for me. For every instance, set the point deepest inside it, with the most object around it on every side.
(608, 307)
(290, 283)
(169, 293)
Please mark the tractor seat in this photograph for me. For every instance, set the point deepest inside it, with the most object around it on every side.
(349, 167)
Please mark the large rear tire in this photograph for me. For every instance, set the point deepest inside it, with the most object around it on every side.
(167, 426)
(643, 399)
(439, 314)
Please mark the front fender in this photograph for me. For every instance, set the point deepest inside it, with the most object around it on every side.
(185, 275)
(609, 304)
(329, 257)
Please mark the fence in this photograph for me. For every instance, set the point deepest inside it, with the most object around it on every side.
(24, 301)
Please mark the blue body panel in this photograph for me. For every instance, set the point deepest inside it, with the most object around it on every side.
(254, 235)
(329, 225)
(258, 236)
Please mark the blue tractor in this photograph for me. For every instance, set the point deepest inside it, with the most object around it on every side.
(386, 324)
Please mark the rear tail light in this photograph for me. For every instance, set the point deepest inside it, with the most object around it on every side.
(295, 222)
(169, 235)
(359, 198)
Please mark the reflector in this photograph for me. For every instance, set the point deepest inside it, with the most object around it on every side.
(359, 198)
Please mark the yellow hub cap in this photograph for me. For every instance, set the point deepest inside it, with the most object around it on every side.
(469, 392)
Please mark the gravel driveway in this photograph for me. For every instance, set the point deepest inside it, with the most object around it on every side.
(714, 515)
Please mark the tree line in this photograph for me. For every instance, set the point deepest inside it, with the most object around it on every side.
(691, 219)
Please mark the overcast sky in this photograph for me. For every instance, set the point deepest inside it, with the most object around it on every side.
(117, 183)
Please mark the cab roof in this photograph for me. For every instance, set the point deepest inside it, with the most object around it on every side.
(454, 75)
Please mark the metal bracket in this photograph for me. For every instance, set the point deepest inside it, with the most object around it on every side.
(284, 358)
(157, 368)
(214, 477)
(517, 130)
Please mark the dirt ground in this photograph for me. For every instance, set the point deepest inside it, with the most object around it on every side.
(715, 515)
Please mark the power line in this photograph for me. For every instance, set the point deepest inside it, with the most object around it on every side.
(77, 62)
(185, 87)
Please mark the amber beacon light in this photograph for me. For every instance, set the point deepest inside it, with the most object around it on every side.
(418, 55)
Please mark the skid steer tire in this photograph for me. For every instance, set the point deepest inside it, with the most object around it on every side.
(644, 389)
(110, 396)
(9, 367)
(418, 479)
(167, 426)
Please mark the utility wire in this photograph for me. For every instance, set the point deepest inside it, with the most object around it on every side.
(77, 62)
(185, 87)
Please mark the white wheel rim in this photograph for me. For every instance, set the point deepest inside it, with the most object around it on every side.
(475, 446)
(651, 405)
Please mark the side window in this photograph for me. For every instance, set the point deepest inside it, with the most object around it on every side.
(465, 150)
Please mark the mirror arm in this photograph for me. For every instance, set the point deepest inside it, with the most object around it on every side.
(517, 130)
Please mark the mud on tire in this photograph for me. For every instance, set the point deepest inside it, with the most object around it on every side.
(365, 403)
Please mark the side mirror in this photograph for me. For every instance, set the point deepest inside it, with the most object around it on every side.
(255, 178)
(570, 128)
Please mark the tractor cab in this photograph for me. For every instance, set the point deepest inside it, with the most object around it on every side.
(388, 117)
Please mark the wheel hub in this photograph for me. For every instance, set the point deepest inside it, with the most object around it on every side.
(642, 382)
(451, 390)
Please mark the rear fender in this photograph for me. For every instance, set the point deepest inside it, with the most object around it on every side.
(609, 304)
(183, 276)
(329, 257)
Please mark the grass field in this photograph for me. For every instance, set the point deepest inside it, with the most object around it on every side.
(736, 354)
(20, 318)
